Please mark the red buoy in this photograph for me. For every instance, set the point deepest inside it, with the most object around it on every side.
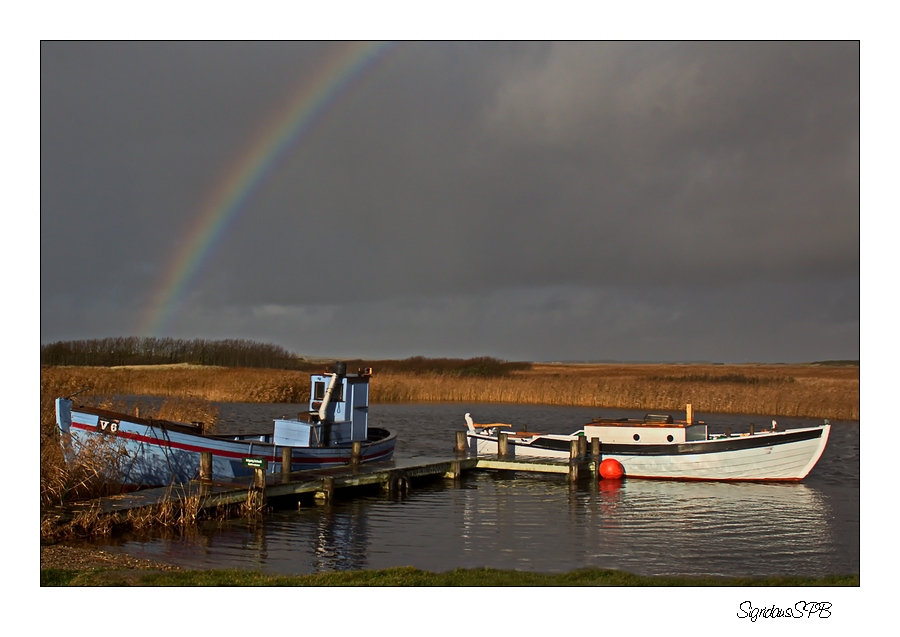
(611, 469)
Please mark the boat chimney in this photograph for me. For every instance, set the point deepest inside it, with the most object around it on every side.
(340, 369)
(689, 414)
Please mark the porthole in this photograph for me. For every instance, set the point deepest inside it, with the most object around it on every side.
(670, 438)
(637, 437)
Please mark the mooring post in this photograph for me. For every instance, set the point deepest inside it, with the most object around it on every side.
(455, 470)
(595, 448)
(356, 453)
(286, 459)
(751, 428)
(327, 492)
(728, 432)
(503, 444)
(573, 449)
(259, 478)
(573, 472)
(460, 441)
(206, 472)
(582, 446)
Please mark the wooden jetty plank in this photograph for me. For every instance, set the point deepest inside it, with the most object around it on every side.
(533, 465)
(324, 481)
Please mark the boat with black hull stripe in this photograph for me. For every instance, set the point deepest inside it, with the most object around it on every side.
(661, 447)
(161, 452)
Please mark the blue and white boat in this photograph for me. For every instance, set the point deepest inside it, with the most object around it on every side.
(161, 452)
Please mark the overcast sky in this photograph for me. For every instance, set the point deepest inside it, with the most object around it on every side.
(529, 201)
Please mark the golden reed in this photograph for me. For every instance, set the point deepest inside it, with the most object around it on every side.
(818, 391)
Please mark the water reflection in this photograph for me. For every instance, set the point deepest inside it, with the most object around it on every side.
(651, 527)
(340, 539)
(709, 528)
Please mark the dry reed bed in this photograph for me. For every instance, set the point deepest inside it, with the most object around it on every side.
(779, 390)
(774, 390)
(178, 513)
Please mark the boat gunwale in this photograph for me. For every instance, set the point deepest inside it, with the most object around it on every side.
(711, 445)
(182, 427)
(196, 430)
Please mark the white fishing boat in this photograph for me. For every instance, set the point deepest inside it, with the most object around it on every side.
(160, 452)
(660, 447)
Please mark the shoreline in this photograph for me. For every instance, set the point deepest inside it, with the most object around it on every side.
(73, 566)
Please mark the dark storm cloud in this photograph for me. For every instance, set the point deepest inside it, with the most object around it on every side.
(527, 200)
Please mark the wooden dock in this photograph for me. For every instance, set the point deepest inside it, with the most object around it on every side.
(394, 476)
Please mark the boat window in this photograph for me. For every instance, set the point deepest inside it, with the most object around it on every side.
(319, 392)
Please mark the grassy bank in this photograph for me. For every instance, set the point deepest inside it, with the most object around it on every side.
(819, 391)
(408, 576)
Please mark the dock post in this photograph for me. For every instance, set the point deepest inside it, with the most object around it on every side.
(256, 497)
(574, 447)
(751, 428)
(582, 446)
(259, 478)
(573, 472)
(285, 461)
(503, 444)
(206, 471)
(595, 456)
(460, 441)
(356, 453)
(327, 492)
(455, 470)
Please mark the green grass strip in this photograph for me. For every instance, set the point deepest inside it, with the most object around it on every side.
(408, 576)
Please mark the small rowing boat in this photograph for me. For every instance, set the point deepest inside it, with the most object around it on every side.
(660, 447)
(160, 452)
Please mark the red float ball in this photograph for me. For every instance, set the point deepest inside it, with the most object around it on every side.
(611, 469)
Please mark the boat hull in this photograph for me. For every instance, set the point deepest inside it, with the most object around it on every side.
(156, 454)
(778, 456)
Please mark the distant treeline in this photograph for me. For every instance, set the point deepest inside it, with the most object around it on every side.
(132, 350)
(113, 352)
(742, 379)
(483, 366)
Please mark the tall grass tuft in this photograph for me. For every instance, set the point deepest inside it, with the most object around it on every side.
(73, 469)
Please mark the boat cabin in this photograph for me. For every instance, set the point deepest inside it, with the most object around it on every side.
(338, 411)
(652, 429)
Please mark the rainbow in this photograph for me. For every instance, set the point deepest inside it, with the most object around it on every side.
(276, 139)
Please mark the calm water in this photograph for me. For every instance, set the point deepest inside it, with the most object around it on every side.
(498, 520)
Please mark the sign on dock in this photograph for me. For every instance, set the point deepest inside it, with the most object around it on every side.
(255, 463)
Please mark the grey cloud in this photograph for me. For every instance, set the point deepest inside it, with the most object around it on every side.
(468, 171)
